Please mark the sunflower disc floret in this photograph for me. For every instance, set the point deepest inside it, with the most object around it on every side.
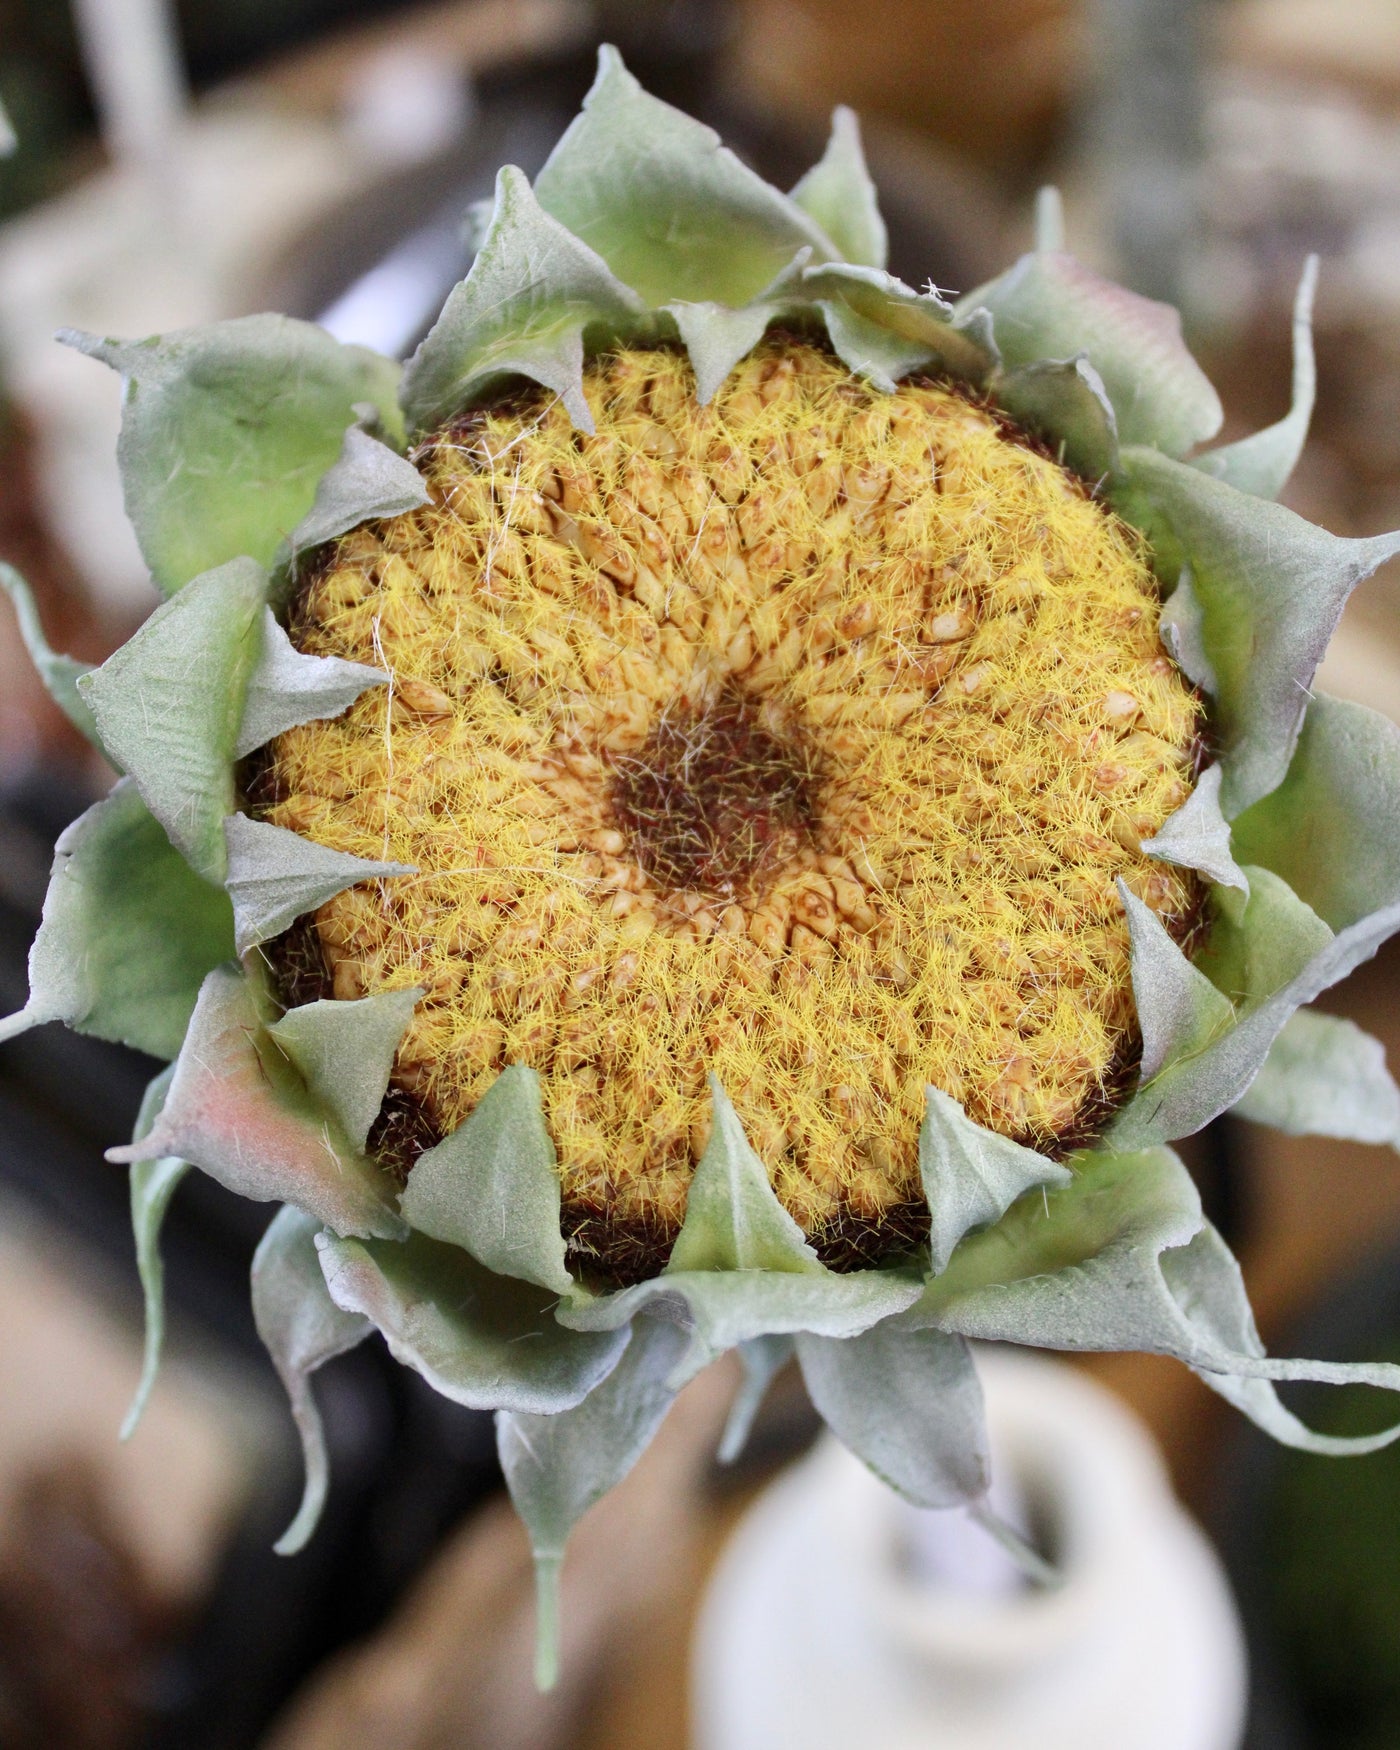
(729, 804)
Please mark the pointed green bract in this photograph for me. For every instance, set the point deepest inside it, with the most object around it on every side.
(344, 1052)
(1262, 464)
(733, 1221)
(556, 1467)
(971, 1176)
(482, 1340)
(227, 430)
(1197, 836)
(1271, 589)
(274, 876)
(367, 480)
(286, 688)
(883, 329)
(153, 1184)
(672, 212)
(1066, 404)
(1182, 624)
(302, 1328)
(1050, 306)
(1179, 1010)
(908, 1403)
(762, 1359)
(492, 1187)
(521, 311)
(237, 1109)
(129, 931)
(1325, 1077)
(59, 674)
(169, 702)
(837, 192)
(716, 338)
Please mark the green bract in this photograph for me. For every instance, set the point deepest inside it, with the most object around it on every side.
(247, 441)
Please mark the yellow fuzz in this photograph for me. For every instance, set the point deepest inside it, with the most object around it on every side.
(930, 660)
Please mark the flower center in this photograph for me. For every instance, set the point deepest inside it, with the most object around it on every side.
(717, 796)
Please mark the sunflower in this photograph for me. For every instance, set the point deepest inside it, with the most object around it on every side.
(731, 804)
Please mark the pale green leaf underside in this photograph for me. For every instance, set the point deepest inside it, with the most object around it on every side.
(1325, 1077)
(168, 705)
(129, 931)
(1179, 1010)
(492, 1186)
(227, 430)
(908, 1403)
(762, 1359)
(838, 193)
(1064, 402)
(366, 480)
(556, 1467)
(59, 673)
(971, 1176)
(302, 1328)
(274, 876)
(1197, 835)
(344, 1052)
(286, 688)
(152, 1184)
(674, 214)
(238, 1110)
(482, 1340)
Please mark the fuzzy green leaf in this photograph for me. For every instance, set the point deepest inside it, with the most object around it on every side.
(129, 932)
(152, 1185)
(485, 1341)
(883, 329)
(733, 1221)
(344, 1052)
(240, 1112)
(1065, 403)
(971, 1176)
(302, 1328)
(367, 480)
(1197, 836)
(716, 337)
(169, 701)
(274, 876)
(521, 311)
(556, 1467)
(1182, 628)
(1325, 1077)
(1261, 464)
(1332, 828)
(286, 688)
(762, 1358)
(59, 674)
(908, 1404)
(1122, 1258)
(1050, 306)
(1179, 1010)
(1271, 589)
(226, 431)
(673, 213)
(492, 1187)
(839, 194)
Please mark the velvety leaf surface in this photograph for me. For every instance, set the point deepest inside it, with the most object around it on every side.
(129, 931)
(302, 1328)
(908, 1404)
(226, 431)
(556, 1467)
(286, 688)
(58, 673)
(492, 1187)
(521, 311)
(1325, 1077)
(366, 480)
(971, 1176)
(838, 193)
(762, 1358)
(883, 329)
(1197, 836)
(275, 875)
(489, 1342)
(1065, 403)
(1179, 1010)
(673, 212)
(344, 1052)
(238, 1110)
(152, 1184)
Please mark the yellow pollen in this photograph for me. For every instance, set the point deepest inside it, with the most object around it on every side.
(799, 738)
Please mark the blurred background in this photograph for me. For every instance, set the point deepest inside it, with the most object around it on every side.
(176, 163)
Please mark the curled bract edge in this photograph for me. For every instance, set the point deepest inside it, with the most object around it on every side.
(251, 440)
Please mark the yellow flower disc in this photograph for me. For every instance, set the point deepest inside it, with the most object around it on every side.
(798, 738)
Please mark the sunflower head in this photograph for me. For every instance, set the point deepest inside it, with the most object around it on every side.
(755, 832)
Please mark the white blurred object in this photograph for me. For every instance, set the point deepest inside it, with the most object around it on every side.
(132, 61)
(840, 1618)
(407, 105)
